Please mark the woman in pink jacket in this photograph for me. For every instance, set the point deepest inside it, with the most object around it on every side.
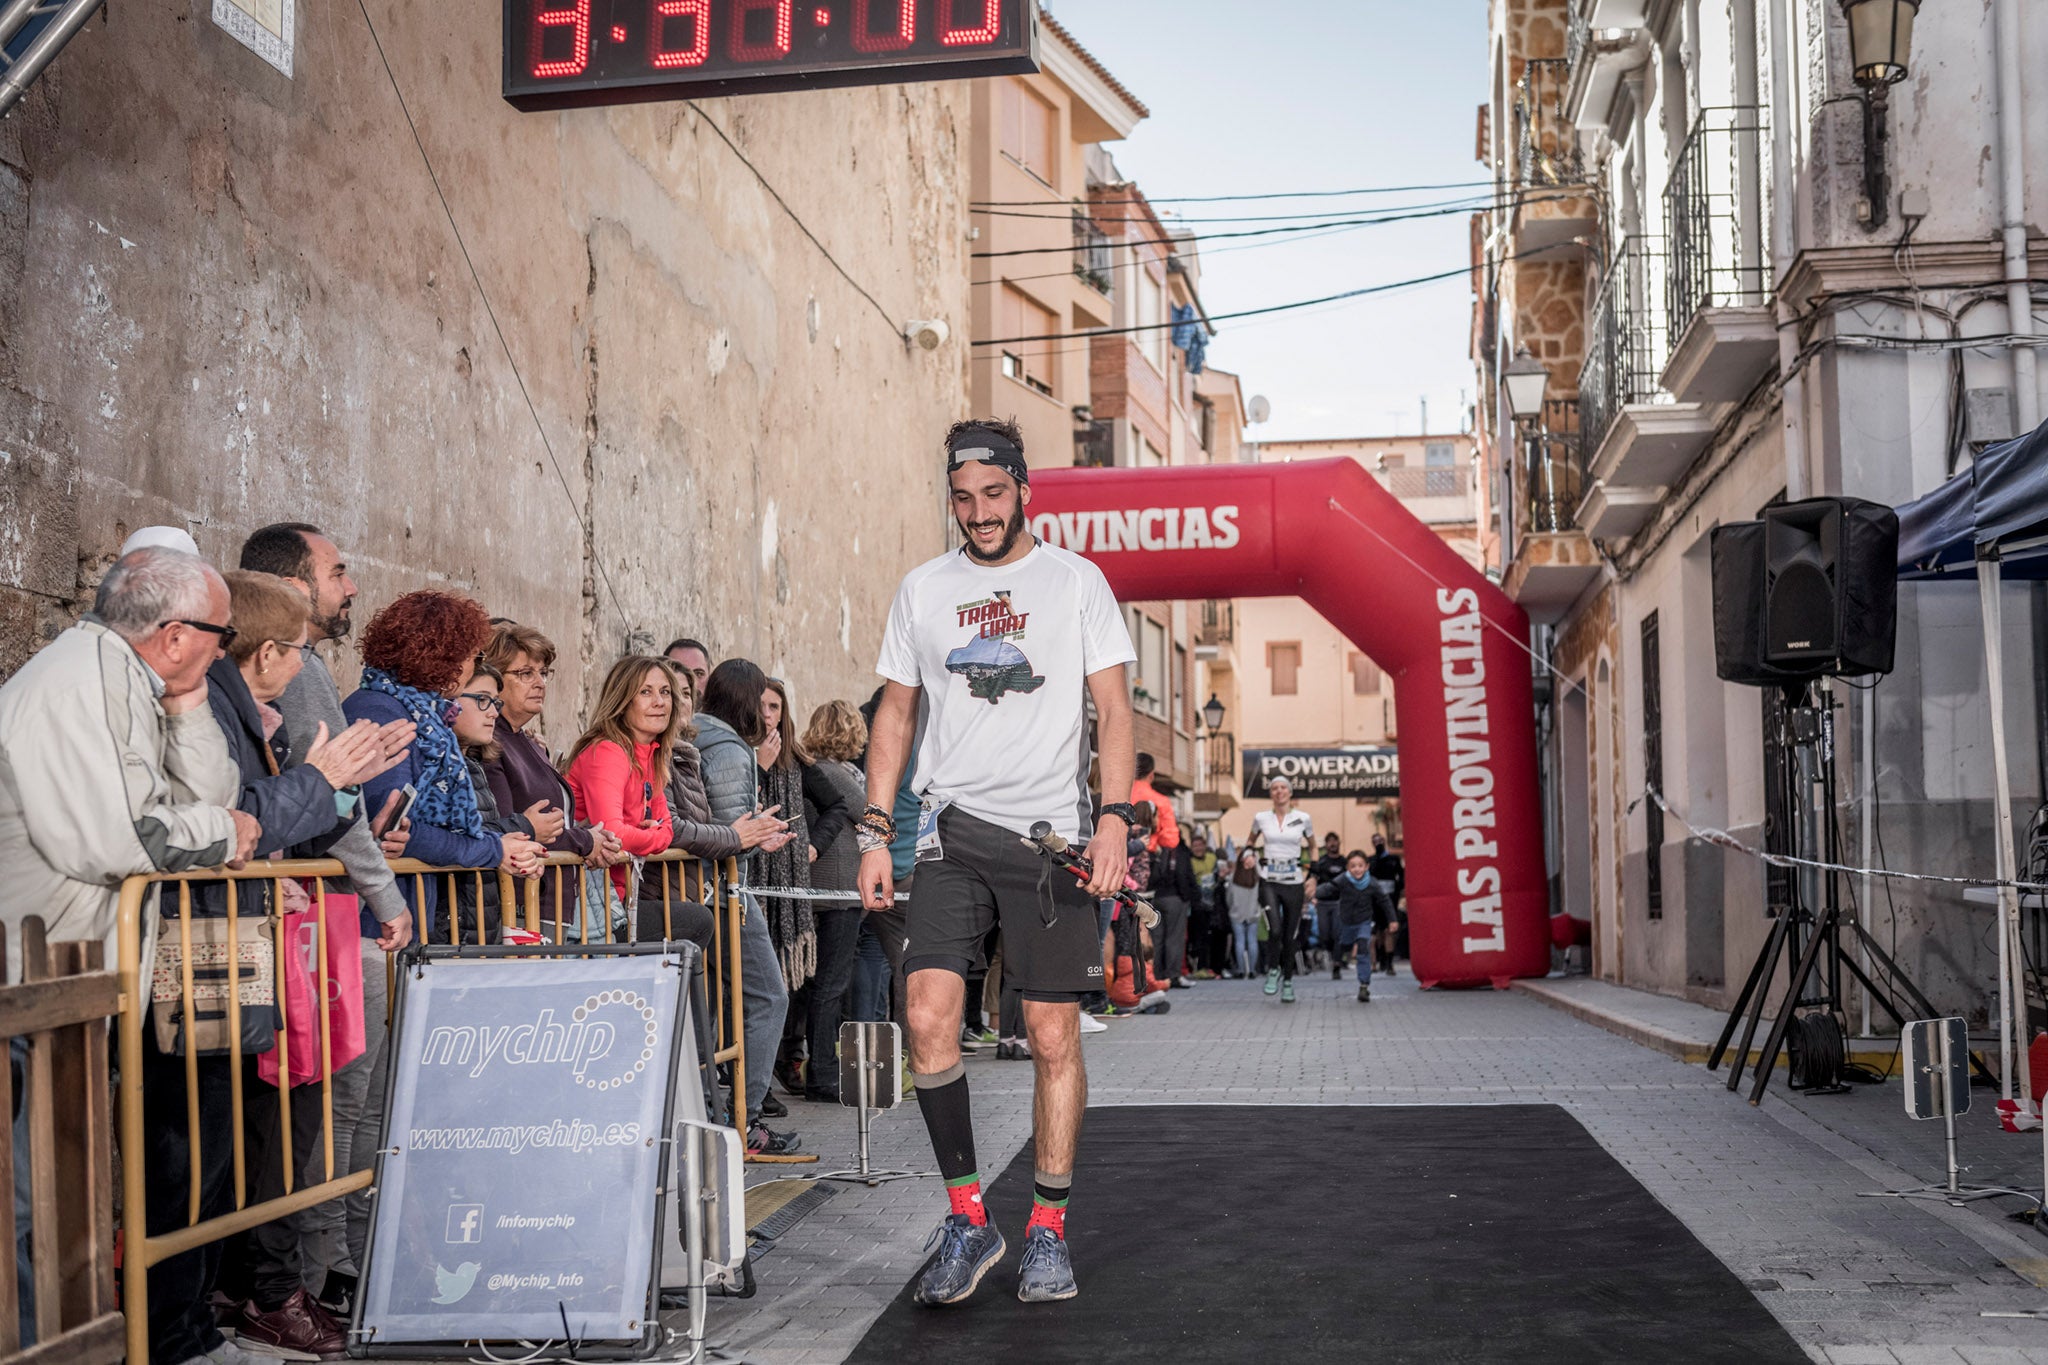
(619, 768)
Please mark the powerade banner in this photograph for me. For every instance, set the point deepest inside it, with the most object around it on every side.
(1351, 770)
(518, 1190)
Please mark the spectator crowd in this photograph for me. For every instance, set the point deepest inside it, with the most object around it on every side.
(189, 721)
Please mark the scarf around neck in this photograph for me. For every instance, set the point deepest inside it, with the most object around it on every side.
(1357, 883)
(445, 798)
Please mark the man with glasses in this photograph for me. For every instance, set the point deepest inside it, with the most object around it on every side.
(111, 765)
(330, 1236)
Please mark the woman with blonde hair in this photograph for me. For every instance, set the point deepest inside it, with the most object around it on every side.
(619, 769)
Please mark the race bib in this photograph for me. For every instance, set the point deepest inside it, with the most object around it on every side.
(929, 849)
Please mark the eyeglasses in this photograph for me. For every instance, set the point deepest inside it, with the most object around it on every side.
(305, 650)
(226, 633)
(531, 674)
(483, 701)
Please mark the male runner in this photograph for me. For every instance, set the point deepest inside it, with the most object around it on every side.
(1005, 639)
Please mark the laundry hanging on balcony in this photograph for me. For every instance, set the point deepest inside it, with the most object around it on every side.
(1190, 335)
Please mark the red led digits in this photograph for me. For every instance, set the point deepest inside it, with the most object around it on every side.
(778, 46)
(987, 31)
(865, 39)
(660, 55)
(574, 17)
(821, 16)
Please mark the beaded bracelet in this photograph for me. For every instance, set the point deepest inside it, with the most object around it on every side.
(875, 830)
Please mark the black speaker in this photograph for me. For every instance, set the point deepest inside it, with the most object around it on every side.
(1809, 590)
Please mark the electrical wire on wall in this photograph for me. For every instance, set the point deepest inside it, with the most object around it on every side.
(483, 295)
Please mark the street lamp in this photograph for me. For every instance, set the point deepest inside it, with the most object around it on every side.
(1526, 379)
(1880, 52)
(1212, 712)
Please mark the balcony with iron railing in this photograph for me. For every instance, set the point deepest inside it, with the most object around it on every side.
(1546, 144)
(1218, 791)
(1718, 288)
(1553, 562)
(1553, 202)
(1552, 469)
(1636, 438)
(1093, 262)
(1218, 623)
(1094, 443)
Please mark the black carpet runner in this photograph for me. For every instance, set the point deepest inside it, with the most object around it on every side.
(1436, 1234)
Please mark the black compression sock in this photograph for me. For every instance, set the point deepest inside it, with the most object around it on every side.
(943, 1100)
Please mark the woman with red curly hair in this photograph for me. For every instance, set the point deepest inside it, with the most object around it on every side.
(418, 653)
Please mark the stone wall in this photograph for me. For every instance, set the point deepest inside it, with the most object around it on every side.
(229, 297)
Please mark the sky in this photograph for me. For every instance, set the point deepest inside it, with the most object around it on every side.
(1287, 95)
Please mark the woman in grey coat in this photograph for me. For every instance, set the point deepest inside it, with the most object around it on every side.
(729, 725)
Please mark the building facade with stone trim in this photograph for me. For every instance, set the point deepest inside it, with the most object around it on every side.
(1684, 241)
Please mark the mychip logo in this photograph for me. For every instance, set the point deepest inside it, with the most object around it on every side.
(590, 1037)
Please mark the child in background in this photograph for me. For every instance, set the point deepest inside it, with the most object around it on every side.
(1241, 895)
(1363, 912)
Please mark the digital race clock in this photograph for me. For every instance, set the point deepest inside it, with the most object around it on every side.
(565, 53)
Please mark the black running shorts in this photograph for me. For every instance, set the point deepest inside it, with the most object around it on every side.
(987, 877)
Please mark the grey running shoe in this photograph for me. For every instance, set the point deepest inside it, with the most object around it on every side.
(1047, 1275)
(1365, 995)
(966, 1253)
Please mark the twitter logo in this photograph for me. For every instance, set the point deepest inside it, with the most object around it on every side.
(455, 1284)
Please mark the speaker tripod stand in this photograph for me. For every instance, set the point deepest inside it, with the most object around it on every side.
(1810, 931)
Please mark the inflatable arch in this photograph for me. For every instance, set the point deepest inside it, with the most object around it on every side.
(1327, 532)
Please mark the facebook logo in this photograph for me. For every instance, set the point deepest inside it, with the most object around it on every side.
(465, 1222)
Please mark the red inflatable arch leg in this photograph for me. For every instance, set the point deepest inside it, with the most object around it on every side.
(1325, 531)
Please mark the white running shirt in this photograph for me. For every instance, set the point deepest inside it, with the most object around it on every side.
(1280, 844)
(1003, 655)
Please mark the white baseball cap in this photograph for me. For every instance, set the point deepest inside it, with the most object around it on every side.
(165, 537)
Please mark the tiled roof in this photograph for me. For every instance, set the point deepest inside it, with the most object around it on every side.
(1088, 59)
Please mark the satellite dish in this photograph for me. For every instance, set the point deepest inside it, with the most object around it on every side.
(1260, 410)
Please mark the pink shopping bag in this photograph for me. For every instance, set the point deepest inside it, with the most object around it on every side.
(300, 952)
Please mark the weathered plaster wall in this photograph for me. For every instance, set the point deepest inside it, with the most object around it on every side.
(229, 298)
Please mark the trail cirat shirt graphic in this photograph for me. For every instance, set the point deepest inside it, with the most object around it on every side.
(992, 664)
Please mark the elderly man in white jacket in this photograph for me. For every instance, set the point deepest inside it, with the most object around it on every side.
(110, 762)
(111, 765)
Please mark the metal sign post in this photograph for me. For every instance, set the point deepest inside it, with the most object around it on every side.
(1935, 1059)
(870, 1080)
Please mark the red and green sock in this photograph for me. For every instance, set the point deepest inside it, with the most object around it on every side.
(942, 1097)
(1049, 1203)
(965, 1196)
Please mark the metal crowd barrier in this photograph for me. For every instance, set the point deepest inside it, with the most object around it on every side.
(59, 1011)
(719, 890)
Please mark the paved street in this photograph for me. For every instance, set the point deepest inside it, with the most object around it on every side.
(1771, 1191)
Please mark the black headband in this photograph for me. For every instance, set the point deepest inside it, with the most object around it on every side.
(982, 446)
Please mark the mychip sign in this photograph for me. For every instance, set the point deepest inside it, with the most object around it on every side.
(517, 1194)
(1351, 770)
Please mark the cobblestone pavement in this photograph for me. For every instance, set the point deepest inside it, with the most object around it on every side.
(1772, 1191)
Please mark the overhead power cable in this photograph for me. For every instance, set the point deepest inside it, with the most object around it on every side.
(1135, 261)
(1242, 313)
(1082, 210)
(1173, 243)
(476, 279)
(1244, 198)
(801, 226)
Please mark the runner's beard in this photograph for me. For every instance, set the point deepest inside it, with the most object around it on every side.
(1011, 532)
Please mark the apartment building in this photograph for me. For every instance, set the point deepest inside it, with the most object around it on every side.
(1065, 245)
(1040, 267)
(1304, 684)
(1739, 290)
